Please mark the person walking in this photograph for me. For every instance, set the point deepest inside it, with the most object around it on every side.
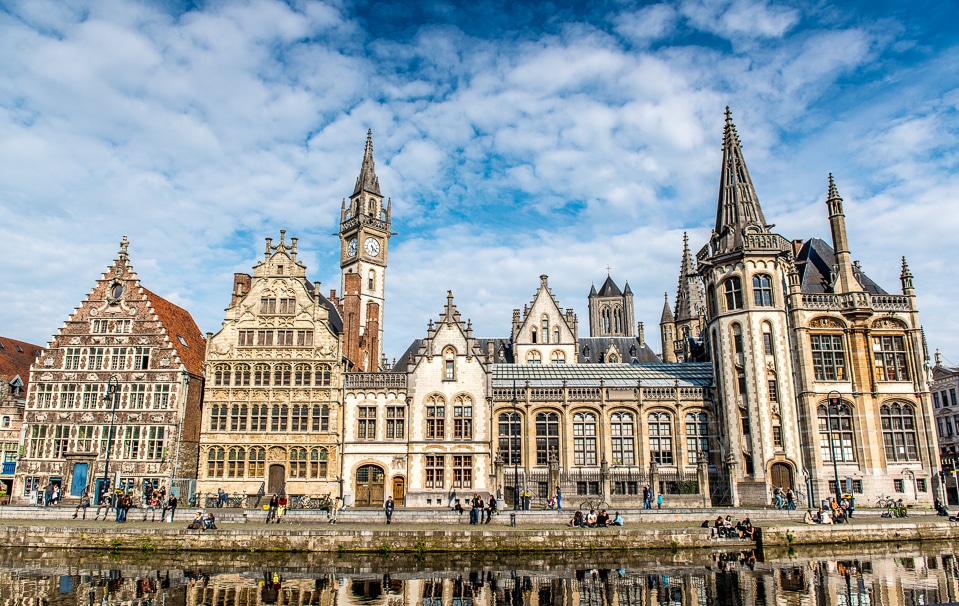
(559, 499)
(389, 507)
(647, 497)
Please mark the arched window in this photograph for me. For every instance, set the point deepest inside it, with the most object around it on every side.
(435, 417)
(300, 420)
(612, 359)
(622, 429)
(218, 414)
(767, 339)
(557, 357)
(584, 438)
(534, 357)
(449, 364)
(238, 414)
(544, 324)
(618, 320)
(221, 375)
(555, 335)
(738, 342)
(762, 291)
(302, 375)
(279, 417)
(463, 418)
(318, 462)
(547, 436)
(697, 442)
(510, 438)
(236, 463)
(261, 375)
(899, 432)
(297, 462)
(773, 387)
(532, 335)
(604, 321)
(371, 280)
(660, 438)
(371, 207)
(214, 462)
(258, 416)
(733, 291)
(257, 460)
(322, 375)
(835, 433)
(281, 375)
(241, 375)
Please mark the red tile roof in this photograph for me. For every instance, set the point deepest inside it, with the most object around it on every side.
(179, 323)
(16, 358)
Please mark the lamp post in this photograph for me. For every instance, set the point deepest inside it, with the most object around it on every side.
(834, 401)
(513, 426)
(113, 389)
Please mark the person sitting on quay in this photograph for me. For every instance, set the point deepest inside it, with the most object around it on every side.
(577, 521)
(197, 523)
(617, 520)
(728, 527)
(602, 519)
(209, 523)
(940, 508)
(825, 517)
(808, 518)
(746, 530)
(84, 504)
(591, 518)
(458, 507)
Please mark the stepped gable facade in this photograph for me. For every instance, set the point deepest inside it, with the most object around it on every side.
(126, 360)
(820, 378)
(272, 405)
(944, 386)
(15, 360)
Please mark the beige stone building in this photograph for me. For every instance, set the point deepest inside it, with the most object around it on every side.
(121, 381)
(272, 404)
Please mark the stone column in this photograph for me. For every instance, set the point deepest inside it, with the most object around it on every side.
(702, 475)
(731, 476)
(553, 479)
(604, 479)
(498, 478)
(654, 479)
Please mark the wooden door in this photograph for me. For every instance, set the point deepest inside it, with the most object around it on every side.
(399, 489)
(781, 475)
(369, 486)
(277, 479)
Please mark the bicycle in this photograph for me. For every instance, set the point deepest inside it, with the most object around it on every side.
(593, 504)
(885, 502)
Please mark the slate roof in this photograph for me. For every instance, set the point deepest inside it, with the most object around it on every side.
(336, 321)
(598, 346)
(179, 323)
(16, 358)
(815, 261)
(612, 375)
(609, 289)
(498, 342)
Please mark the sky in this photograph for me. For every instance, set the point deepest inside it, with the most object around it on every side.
(514, 138)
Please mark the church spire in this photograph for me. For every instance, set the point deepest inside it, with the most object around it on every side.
(689, 294)
(367, 180)
(667, 312)
(738, 206)
(844, 279)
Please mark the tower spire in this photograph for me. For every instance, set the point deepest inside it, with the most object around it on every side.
(845, 278)
(738, 206)
(367, 180)
(689, 294)
(667, 312)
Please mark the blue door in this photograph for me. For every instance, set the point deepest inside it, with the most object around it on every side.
(79, 483)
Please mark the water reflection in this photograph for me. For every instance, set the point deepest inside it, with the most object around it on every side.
(903, 575)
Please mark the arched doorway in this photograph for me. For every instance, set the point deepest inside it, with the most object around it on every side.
(369, 486)
(277, 479)
(781, 475)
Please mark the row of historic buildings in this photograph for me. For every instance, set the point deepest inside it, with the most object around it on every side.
(782, 364)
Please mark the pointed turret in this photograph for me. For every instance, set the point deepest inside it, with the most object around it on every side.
(738, 206)
(592, 290)
(689, 294)
(845, 279)
(667, 312)
(367, 180)
(905, 277)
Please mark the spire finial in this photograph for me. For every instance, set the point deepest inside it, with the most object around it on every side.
(833, 193)
(124, 244)
(738, 205)
(367, 181)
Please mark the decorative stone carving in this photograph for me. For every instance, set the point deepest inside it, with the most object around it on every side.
(890, 323)
(164, 362)
(826, 322)
(276, 454)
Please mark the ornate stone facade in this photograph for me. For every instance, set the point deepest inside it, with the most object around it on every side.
(945, 404)
(272, 400)
(155, 352)
(15, 360)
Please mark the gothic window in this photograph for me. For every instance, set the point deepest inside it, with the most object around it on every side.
(557, 357)
(697, 442)
(767, 339)
(835, 433)
(236, 463)
(463, 418)
(604, 321)
(268, 305)
(584, 438)
(319, 459)
(532, 335)
(238, 415)
(300, 419)
(449, 364)
(435, 418)
(828, 357)
(279, 417)
(899, 432)
(555, 335)
(733, 291)
(890, 356)
(773, 387)
(738, 343)
(302, 375)
(322, 375)
(258, 417)
(284, 337)
(622, 429)
(221, 375)
(762, 291)
(462, 471)
(257, 461)
(396, 422)
(618, 320)
(547, 436)
(214, 462)
(534, 357)
(261, 375)
(660, 438)
(612, 358)
(241, 375)
(281, 375)
(321, 418)
(218, 415)
(366, 423)
(510, 438)
(435, 471)
(297, 462)
(544, 324)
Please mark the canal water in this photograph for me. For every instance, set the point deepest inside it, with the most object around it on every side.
(846, 575)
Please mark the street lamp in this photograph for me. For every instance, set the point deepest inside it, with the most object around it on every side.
(113, 389)
(514, 425)
(834, 401)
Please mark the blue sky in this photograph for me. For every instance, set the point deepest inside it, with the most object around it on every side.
(515, 139)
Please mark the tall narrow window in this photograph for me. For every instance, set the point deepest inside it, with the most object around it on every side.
(319, 460)
(762, 291)
(258, 417)
(241, 375)
(279, 417)
(300, 420)
(322, 378)
(890, 356)
(297, 462)
(395, 422)
(463, 418)
(214, 462)
(767, 339)
(257, 462)
(584, 438)
(221, 375)
(510, 437)
(899, 432)
(738, 343)
(131, 442)
(236, 463)
(622, 429)
(449, 364)
(261, 375)
(161, 396)
(733, 291)
(828, 357)
(138, 396)
(303, 375)
(218, 414)
(268, 305)
(238, 413)
(835, 433)
(660, 438)
(366, 423)
(547, 436)
(281, 375)
(697, 442)
(773, 387)
(435, 418)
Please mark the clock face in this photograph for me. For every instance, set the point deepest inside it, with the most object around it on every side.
(372, 246)
(351, 248)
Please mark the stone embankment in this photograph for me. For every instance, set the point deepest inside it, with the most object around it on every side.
(441, 531)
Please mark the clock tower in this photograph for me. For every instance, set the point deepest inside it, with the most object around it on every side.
(364, 243)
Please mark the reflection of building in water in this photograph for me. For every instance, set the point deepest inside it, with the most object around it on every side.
(234, 589)
(77, 587)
